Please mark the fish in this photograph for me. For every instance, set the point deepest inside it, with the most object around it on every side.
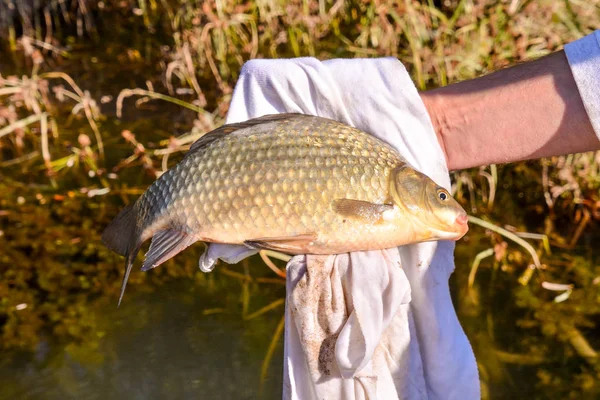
(293, 183)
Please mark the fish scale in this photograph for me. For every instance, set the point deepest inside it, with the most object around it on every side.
(286, 170)
(289, 182)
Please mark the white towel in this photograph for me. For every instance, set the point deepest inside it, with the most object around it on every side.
(366, 325)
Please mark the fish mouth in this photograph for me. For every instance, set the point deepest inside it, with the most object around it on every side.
(451, 226)
(460, 227)
(453, 232)
(461, 224)
(449, 235)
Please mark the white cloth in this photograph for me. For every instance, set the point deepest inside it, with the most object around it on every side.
(584, 59)
(366, 325)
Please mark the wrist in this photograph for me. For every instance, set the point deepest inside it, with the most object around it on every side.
(434, 106)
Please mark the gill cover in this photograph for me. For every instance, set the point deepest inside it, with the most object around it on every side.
(430, 204)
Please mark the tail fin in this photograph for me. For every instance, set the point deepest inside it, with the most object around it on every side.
(128, 265)
(121, 236)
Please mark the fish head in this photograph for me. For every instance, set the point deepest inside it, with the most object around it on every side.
(435, 214)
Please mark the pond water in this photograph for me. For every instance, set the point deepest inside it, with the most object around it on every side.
(182, 341)
(155, 346)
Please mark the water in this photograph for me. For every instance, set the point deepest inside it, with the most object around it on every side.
(155, 346)
(187, 339)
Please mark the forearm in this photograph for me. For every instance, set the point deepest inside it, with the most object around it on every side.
(528, 111)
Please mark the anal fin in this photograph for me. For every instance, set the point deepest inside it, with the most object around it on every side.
(298, 244)
(364, 210)
(165, 245)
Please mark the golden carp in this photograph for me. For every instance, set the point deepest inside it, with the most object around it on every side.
(294, 183)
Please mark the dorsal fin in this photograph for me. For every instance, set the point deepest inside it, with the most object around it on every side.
(211, 136)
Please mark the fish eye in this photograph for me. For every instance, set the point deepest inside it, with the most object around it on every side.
(443, 194)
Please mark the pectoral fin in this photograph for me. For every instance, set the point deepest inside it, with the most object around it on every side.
(364, 210)
(298, 244)
(166, 245)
